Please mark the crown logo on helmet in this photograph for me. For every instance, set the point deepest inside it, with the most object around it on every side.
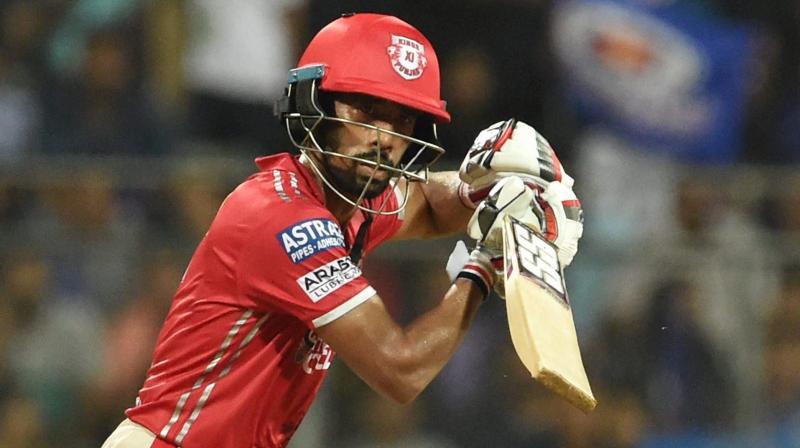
(407, 57)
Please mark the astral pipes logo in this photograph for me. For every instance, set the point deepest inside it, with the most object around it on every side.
(310, 237)
(407, 57)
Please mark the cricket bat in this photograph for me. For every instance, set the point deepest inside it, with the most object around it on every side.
(540, 316)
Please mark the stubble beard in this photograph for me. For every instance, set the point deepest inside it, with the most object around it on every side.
(352, 183)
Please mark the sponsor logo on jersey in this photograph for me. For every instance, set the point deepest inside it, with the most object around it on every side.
(407, 57)
(306, 238)
(328, 278)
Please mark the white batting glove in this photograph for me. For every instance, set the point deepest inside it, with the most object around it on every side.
(563, 223)
(512, 148)
(509, 197)
(556, 213)
(508, 148)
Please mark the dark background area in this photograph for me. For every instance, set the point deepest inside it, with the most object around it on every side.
(124, 124)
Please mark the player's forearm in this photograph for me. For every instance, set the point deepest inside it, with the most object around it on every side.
(428, 343)
(444, 213)
(399, 362)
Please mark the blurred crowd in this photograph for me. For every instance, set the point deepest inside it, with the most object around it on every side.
(123, 125)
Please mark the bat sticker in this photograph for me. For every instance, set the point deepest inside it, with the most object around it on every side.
(538, 259)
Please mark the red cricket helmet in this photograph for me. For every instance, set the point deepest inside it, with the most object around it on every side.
(381, 56)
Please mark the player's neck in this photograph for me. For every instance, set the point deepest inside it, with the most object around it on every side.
(341, 209)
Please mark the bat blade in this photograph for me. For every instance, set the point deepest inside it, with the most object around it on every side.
(540, 316)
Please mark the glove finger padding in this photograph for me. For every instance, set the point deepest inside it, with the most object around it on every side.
(510, 196)
(563, 223)
(477, 163)
(507, 148)
(471, 197)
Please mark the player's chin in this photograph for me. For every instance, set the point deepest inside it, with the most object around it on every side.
(373, 188)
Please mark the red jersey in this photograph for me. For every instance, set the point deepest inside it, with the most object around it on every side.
(237, 362)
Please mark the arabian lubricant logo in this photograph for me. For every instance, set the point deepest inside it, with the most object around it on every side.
(407, 57)
(328, 278)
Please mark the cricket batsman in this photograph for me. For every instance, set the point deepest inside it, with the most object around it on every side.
(274, 290)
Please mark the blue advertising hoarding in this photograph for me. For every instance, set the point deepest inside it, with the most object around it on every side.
(659, 74)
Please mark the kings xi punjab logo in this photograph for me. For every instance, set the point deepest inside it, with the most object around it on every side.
(407, 57)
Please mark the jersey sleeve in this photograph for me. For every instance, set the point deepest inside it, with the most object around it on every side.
(297, 263)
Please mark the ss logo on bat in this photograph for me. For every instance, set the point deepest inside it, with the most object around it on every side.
(539, 259)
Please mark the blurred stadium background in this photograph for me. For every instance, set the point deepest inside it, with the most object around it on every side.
(124, 123)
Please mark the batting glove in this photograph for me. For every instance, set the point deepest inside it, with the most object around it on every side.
(509, 197)
(563, 223)
(508, 148)
(512, 148)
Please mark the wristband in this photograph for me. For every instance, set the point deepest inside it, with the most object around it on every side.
(463, 194)
(479, 282)
(478, 274)
(470, 198)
